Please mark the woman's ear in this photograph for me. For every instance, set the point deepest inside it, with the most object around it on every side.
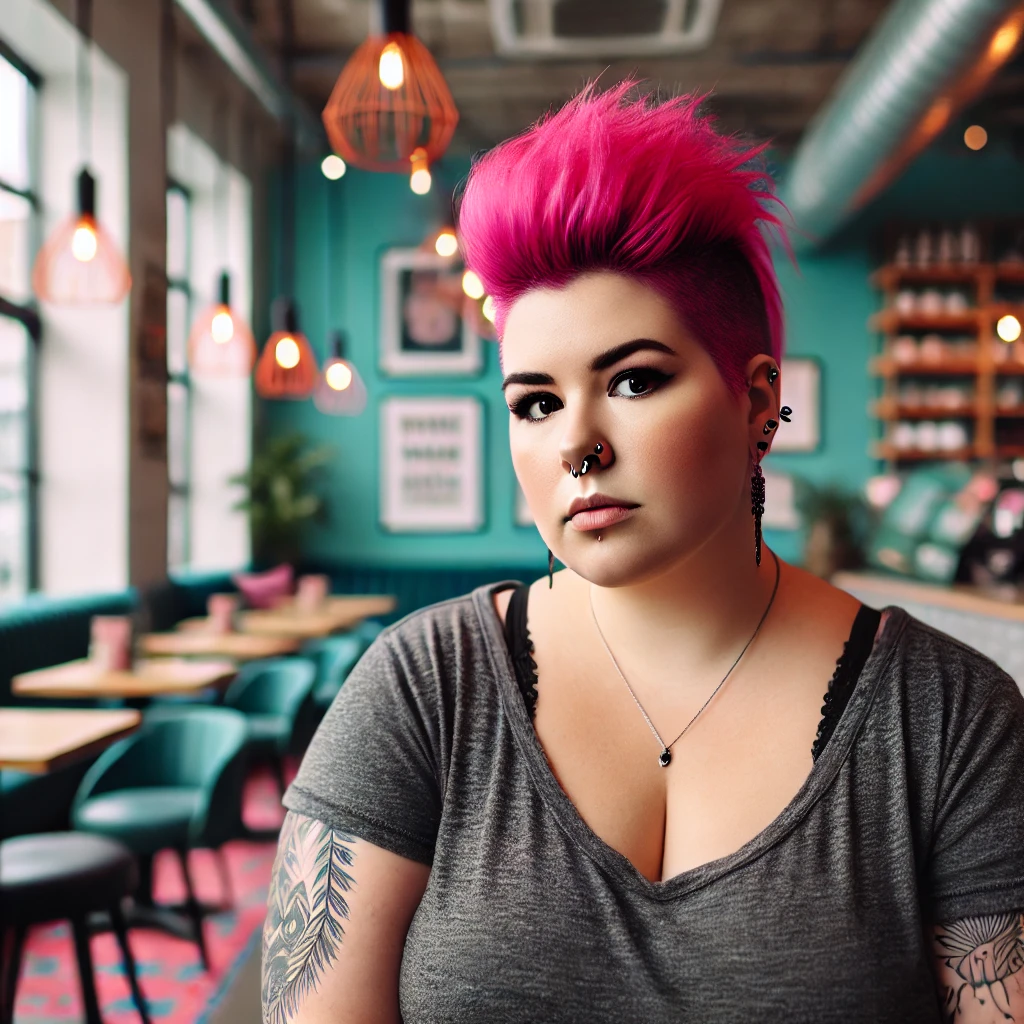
(764, 389)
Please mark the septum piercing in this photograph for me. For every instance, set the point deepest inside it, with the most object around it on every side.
(588, 462)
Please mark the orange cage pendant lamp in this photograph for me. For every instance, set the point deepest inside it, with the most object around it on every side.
(391, 100)
(287, 367)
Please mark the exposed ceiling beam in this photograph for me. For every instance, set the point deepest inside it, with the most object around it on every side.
(230, 37)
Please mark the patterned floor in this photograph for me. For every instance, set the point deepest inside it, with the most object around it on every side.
(177, 989)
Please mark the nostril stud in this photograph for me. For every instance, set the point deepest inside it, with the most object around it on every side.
(598, 448)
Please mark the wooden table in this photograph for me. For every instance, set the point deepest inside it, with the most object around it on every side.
(196, 642)
(148, 678)
(41, 740)
(335, 614)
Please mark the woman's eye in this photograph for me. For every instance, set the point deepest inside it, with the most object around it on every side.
(535, 407)
(638, 383)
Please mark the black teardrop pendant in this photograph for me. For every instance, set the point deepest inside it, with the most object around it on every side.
(665, 758)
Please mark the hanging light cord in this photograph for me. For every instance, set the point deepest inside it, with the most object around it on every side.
(83, 75)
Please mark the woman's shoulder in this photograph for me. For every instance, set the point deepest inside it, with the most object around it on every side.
(941, 680)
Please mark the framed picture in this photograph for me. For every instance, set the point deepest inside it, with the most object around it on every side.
(425, 326)
(780, 511)
(801, 391)
(431, 461)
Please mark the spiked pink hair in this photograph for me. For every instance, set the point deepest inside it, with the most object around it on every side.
(652, 191)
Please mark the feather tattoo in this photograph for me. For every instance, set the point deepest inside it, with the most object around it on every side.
(306, 908)
(983, 952)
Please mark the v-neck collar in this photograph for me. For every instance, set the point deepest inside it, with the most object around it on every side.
(822, 773)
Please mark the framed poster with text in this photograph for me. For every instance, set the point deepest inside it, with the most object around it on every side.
(430, 474)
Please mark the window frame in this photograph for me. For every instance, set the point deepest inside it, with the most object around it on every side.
(27, 314)
(182, 491)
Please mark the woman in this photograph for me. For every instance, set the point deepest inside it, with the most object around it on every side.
(614, 795)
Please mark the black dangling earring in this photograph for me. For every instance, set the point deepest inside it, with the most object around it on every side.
(551, 569)
(757, 507)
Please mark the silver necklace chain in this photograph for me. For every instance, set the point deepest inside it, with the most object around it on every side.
(665, 757)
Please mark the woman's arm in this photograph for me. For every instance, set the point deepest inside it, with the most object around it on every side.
(338, 912)
(981, 968)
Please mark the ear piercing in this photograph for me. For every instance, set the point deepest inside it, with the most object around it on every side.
(784, 413)
(773, 375)
(769, 426)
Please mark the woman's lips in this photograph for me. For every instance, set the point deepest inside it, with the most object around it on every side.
(595, 518)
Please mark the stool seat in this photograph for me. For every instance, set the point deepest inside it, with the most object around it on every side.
(57, 875)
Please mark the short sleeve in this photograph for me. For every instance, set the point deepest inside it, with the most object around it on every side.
(976, 863)
(373, 769)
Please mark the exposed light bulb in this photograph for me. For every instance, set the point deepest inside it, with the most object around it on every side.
(222, 327)
(447, 244)
(1008, 328)
(420, 181)
(472, 285)
(488, 308)
(338, 376)
(975, 137)
(333, 166)
(286, 352)
(391, 69)
(83, 242)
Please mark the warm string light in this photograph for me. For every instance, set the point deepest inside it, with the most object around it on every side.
(333, 167)
(488, 309)
(975, 137)
(1008, 328)
(446, 244)
(472, 285)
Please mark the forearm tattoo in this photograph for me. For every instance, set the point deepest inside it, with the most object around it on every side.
(306, 906)
(981, 961)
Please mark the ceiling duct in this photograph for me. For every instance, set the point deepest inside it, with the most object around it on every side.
(601, 28)
(925, 60)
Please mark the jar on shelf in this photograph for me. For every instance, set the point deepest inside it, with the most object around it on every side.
(927, 435)
(902, 436)
(904, 349)
(931, 301)
(952, 435)
(901, 257)
(923, 248)
(932, 348)
(956, 302)
(948, 249)
(905, 301)
(1010, 393)
(970, 244)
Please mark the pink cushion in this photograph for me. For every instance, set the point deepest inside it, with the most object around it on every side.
(264, 589)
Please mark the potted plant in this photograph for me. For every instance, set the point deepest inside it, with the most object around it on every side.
(833, 518)
(279, 496)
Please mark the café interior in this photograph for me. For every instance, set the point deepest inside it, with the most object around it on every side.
(251, 411)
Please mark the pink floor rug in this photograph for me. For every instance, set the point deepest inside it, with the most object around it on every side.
(173, 981)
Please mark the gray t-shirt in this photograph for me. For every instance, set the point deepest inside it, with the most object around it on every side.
(912, 815)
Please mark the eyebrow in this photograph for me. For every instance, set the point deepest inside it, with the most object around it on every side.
(601, 362)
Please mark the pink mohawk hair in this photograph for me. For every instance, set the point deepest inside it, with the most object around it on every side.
(650, 190)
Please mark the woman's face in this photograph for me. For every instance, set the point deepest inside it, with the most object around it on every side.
(678, 449)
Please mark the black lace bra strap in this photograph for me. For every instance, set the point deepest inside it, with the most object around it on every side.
(520, 646)
(848, 669)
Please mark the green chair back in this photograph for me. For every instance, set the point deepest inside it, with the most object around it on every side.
(272, 686)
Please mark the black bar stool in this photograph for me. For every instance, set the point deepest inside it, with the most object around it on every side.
(59, 876)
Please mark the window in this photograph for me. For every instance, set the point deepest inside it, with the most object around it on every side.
(19, 328)
(179, 319)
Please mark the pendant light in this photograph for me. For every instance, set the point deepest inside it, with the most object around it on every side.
(79, 265)
(391, 109)
(221, 343)
(340, 390)
(287, 367)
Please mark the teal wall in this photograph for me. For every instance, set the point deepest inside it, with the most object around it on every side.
(828, 301)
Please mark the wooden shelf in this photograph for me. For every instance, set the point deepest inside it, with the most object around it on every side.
(1011, 368)
(892, 321)
(885, 409)
(892, 276)
(884, 450)
(886, 366)
(1010, 451)
(1007, 412)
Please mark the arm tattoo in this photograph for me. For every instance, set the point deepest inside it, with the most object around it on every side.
(306, 906)
(982, 954)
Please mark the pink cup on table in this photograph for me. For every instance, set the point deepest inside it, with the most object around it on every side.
(312, 591)
(110, 646)
(221, 608)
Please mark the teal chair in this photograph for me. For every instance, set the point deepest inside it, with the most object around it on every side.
(334, 656)
(175, 784)
(271, 693)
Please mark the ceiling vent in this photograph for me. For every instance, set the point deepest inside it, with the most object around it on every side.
(601, 28)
